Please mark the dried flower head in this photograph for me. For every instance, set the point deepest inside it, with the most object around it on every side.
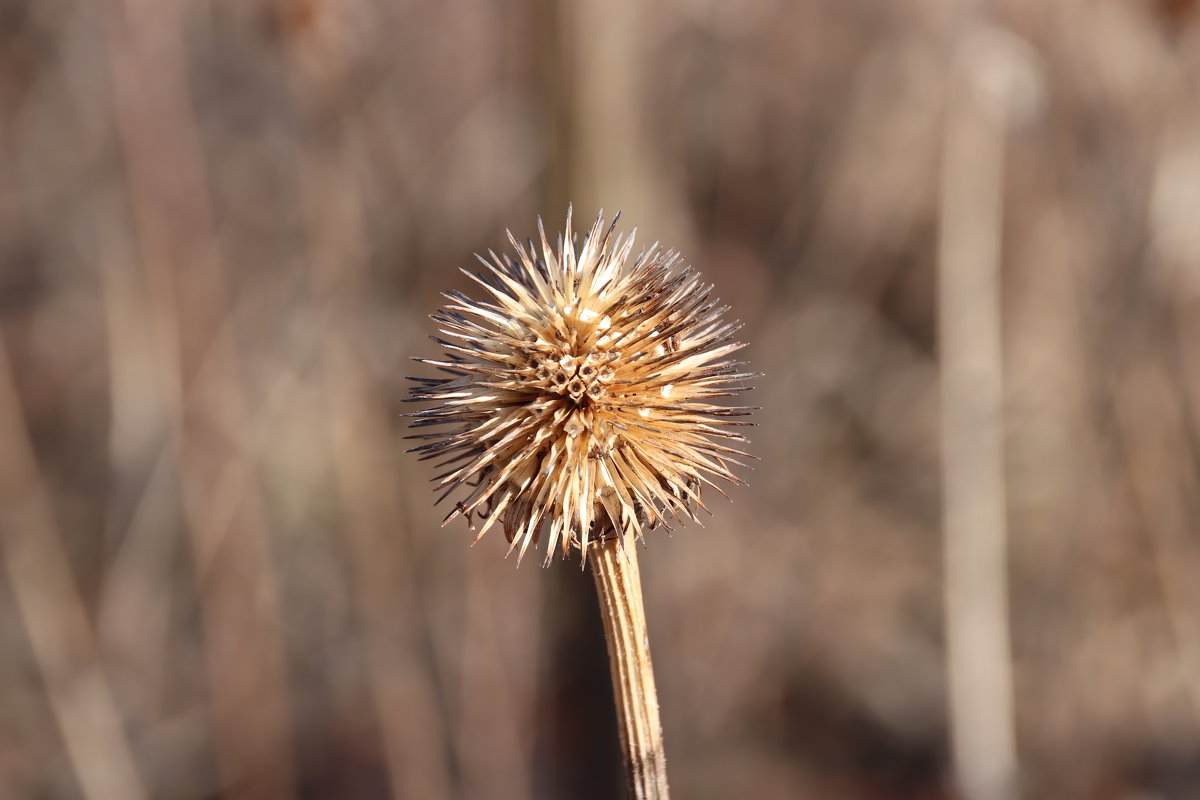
(578, 392)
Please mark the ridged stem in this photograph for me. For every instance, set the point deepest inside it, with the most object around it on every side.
(619, 587)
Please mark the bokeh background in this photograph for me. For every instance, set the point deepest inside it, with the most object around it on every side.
(222, 226)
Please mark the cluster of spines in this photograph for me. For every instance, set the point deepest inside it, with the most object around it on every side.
(578, 392)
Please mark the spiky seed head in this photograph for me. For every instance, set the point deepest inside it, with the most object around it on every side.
(577, 402)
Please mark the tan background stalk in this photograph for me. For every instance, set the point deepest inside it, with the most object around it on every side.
(619, 587)
(53, 612)
(982, 727)
(189, 302)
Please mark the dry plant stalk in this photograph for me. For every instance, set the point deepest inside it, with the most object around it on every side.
(52, 608)
(578, 405)
(619, 587)
(979, 650)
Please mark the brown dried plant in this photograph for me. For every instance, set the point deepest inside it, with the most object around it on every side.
(578, 400)
(579, 392)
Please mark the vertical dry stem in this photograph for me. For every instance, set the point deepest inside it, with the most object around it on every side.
(619, 587)
(50, 604)
(191, 318)
(969, 321)
(320, 69)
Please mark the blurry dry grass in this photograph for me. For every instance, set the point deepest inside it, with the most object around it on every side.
(222, 224)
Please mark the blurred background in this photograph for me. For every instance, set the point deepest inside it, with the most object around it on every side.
(222, 226)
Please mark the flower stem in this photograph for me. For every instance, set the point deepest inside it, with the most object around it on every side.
(619, 587)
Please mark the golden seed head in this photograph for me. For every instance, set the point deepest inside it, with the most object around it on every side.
(578, 396)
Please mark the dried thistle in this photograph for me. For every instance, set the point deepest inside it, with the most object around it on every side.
(579, 401)
(578, 395)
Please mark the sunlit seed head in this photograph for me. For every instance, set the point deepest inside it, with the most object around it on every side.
(576, 393)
